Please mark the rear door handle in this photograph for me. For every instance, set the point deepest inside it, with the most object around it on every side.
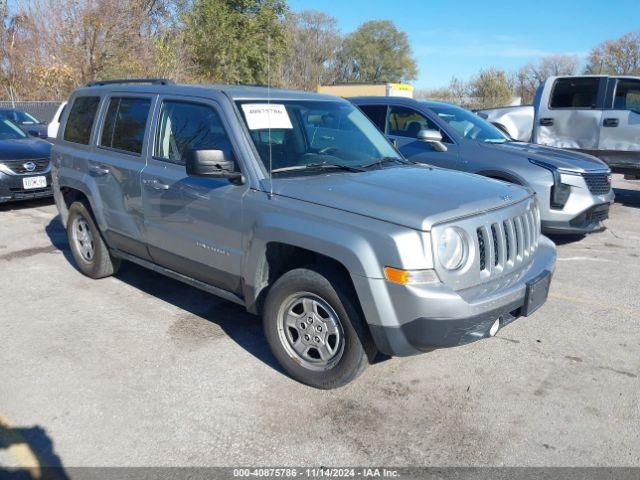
(155, 184)
(98, 170)
(610, 122)
(546, 122)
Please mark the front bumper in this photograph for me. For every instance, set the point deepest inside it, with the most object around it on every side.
(583, 213)
(11, 188)
(407, 320)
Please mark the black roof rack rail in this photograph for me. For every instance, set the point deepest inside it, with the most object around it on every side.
(152, 81)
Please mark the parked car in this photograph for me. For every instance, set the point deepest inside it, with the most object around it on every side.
(54, 124)
(574, 189)
(295, 206)
(25, 170)
(599, 115)
(27, 122)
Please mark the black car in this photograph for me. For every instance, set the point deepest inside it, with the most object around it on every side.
(25, 170)
(27, 122)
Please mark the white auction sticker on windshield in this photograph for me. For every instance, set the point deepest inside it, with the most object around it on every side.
(261, 116)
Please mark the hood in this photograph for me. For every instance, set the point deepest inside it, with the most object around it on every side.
(415, 197)
(563, 159)
(26, 148)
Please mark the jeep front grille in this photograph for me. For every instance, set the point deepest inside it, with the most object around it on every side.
(500, 242)
(18, 166)
(598, 183)
(494, 241)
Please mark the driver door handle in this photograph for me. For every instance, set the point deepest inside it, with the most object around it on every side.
(155, 184)
(610, 122)
(546, 122)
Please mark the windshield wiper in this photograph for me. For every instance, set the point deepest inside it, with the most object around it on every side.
(383, 160)
(317, 166)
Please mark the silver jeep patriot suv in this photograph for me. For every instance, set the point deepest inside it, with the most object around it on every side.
(297, 207)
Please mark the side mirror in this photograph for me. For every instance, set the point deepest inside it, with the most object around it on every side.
(432, 137)
(210, 164)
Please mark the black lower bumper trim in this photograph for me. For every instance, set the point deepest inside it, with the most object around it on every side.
(426, 334)
(14, 196)
(589, 221)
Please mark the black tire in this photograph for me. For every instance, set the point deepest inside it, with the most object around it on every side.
(100, 264)
(327, 287)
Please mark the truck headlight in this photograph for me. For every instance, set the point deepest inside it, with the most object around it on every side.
(452, 249)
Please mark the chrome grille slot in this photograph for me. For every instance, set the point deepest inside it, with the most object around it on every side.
(507, 240)
(500, 242)
(482, 252)
(494, 236)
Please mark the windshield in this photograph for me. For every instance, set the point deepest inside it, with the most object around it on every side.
(469, 125)
(10, 131)
(310, 132)
(19, 116)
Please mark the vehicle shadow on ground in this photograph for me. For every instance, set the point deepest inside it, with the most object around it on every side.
(26, 445)
(242, 327)
(24, 204)
(628, 198)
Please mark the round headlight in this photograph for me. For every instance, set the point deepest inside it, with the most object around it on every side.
(452, 249)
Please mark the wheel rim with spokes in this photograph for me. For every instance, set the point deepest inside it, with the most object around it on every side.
(310, 331)
(83, 239)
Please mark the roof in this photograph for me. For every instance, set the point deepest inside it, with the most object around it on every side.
(401, 101)
(235, 92)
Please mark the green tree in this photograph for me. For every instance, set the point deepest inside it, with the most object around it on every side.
(314, 42)
(228, 39)
(490, 88)
(377, 52)
(616, 57)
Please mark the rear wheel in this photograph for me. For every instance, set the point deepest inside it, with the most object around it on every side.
(87, 245)
(314, 329)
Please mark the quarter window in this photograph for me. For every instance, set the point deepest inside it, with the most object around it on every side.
(125, 123)
(575, 93)
(185, 126)
(627, 96)
(81, 118)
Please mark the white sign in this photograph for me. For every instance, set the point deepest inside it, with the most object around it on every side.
(262, 116)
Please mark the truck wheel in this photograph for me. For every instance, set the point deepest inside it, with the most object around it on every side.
(87, 245)
(314, 329)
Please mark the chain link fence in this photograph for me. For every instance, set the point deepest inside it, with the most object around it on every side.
(42, 110)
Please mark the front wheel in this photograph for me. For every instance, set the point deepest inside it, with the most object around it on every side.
(314, 330)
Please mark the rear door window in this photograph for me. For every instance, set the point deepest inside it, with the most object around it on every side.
(575, 93)
(125, 123)
(627, 95)
(81, 118)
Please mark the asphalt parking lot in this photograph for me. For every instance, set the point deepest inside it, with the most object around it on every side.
(141, 370)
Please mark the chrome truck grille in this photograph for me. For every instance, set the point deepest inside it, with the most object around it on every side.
(500, 242)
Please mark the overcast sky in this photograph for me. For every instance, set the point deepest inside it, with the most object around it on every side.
(458, 37)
